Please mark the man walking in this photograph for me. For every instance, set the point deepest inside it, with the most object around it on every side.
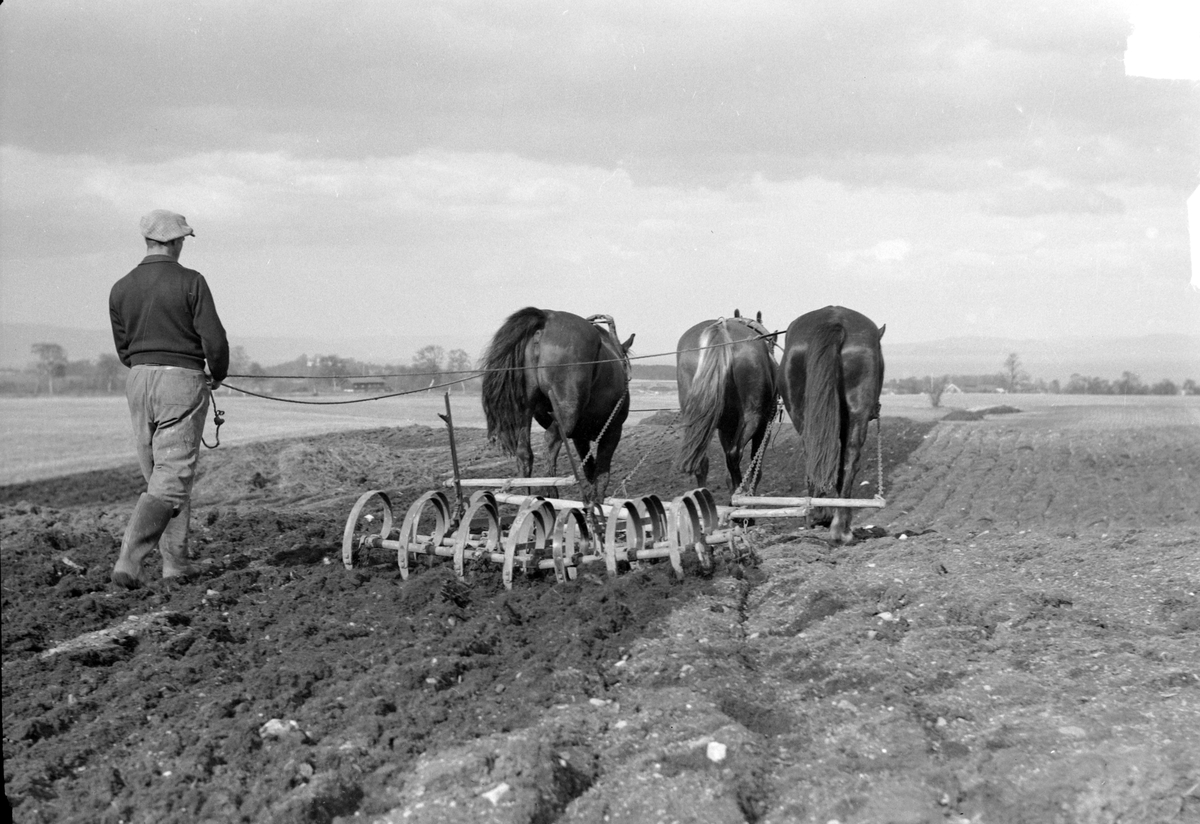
(165, 327)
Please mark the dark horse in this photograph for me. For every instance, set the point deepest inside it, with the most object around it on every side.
(568, 374)
(830, 376)
(726, 374)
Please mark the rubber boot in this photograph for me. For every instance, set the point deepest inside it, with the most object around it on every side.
(174, 546)
(150, 517)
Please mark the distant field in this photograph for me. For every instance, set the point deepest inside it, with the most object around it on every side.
(1138, 410)
(47, 437)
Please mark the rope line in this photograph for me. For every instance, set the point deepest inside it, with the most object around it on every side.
(343, 402)
(475, 373)
(394, 395)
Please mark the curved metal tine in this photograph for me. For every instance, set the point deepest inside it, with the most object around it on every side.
(484, 504)
(480, 494)
(569, 527)
(708, 508)
(654, 517)
(705, 518)
(679, 511)
(410, 542)
(635, 533)
(385, 525)
(527, 518)
(543, 537)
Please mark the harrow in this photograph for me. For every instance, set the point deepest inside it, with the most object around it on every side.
(549, 533)
(544, 534)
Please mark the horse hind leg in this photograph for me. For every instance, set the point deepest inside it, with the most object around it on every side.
(554, 443)
(756, 445)
(600, 471)
(734, 446)
(731, 445)
(840, 530)
(701, 474)
(524, 454)
(593, 485)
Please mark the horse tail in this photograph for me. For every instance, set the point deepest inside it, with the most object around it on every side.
(823, 407)
(706, 401)
(505, 400)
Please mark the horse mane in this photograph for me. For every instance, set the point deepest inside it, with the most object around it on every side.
(705, 401)
(822, 408)
(505, 399)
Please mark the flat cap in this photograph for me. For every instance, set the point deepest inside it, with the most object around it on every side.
(165, 226)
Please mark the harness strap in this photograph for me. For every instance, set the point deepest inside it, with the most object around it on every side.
(607, 324)
(757, 458)
(603, 429)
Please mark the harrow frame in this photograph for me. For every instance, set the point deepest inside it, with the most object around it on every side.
(544, 534)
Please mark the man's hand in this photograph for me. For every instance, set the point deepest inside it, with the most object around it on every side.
(213, 386)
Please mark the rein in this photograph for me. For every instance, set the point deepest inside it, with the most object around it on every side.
(625, 359)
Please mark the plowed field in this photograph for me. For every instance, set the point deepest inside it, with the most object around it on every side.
(1022, 644)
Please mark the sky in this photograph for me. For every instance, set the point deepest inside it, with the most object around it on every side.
(950, 168)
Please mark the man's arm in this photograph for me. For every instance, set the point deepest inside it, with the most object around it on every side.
(120, 334)
(212, 334)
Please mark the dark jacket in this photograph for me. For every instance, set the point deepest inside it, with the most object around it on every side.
(162, 313)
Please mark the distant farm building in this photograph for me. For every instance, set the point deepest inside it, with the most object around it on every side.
(956, 389)
(368, 384)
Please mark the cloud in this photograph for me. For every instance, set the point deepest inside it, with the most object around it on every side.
(303, 200)
(1033, 200)
(446, 161)
(697, 94)
(884, 258)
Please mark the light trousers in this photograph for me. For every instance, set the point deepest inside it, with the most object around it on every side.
(167, 405)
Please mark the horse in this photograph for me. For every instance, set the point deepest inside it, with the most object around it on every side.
(725, 370)
(572, 377)
(830, 376)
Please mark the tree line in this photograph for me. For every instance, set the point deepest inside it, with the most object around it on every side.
(1128, 384)
(52, 372)
(1014, 379)
(431, 367)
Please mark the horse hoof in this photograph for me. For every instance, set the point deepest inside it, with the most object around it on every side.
(125, 581)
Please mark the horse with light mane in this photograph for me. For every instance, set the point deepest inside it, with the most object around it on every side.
(726, 375)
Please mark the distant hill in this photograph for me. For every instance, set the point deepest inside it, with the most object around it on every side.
(1151, 357)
